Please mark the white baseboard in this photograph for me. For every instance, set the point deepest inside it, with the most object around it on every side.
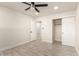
(15, 45)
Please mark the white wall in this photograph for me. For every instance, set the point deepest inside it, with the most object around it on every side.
(47, 24)
(77, 30)
(14, 28)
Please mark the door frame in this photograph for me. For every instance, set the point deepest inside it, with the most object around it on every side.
(40, 22)
(53, 30)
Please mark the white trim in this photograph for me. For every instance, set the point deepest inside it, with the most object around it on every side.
(15, 45)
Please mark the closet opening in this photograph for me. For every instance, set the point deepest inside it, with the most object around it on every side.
(57, 31)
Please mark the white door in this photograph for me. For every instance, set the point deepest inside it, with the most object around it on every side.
(33, 30)
(38, 30)
(68, 31)
(58, 33)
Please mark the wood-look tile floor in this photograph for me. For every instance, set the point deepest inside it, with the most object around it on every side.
(39, 48)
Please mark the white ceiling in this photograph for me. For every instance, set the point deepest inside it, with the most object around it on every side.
(63, 6)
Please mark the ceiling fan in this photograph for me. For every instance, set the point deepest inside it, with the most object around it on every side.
(34, 6)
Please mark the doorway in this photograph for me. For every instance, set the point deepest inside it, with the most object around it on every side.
(57, 31)
(38, 30)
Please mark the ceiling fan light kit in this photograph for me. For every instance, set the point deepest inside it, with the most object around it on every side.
(34, 6)
(37, 13)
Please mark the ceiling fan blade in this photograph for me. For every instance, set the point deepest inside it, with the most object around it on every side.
(37, 10)
(26, 3)
(27, 8)
(41, 5)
